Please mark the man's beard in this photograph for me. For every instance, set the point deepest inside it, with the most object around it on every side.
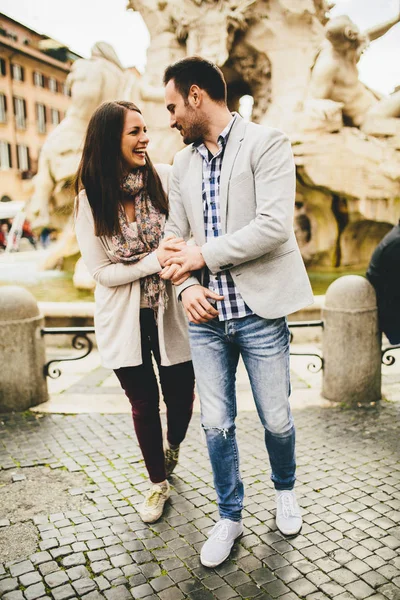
(195, 132)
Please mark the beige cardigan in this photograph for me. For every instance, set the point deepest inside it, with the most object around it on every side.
(117, 298)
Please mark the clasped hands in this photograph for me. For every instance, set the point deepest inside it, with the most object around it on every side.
(178, 261)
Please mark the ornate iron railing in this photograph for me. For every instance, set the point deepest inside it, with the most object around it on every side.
(81, 341)
(389, 359)
(318, 364)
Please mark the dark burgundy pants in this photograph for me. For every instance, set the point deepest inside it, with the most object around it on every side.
(140, 386)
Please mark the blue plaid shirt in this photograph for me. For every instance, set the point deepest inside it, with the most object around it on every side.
(233, 306)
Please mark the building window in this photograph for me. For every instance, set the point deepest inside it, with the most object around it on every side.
(23, 157)
(55, 116)
(20, 112)
(66, 90)
(52, 84)
(41, 117)
(3, 109)
(5, 155)
(3, 67)
(38, 79)
(18, 73)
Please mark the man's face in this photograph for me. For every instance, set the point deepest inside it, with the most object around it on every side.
(184, 115)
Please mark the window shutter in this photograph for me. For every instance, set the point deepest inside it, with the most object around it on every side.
(9, 155)
(22, 73)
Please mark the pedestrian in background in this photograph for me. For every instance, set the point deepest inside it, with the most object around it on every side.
(384, 274)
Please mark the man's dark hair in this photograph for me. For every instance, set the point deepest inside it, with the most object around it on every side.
(197, 71)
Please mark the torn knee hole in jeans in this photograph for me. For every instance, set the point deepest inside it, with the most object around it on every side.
(223, 430)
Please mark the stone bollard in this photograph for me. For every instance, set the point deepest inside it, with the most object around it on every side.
(351, 342)
(22, 351)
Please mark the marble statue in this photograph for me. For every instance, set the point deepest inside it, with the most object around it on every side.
(334, 75)
(300, 67)
(92, 81)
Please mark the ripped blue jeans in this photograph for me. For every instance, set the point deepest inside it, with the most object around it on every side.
(264, 347)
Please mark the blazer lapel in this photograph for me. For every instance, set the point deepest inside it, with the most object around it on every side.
(196, 196)
(232, 148)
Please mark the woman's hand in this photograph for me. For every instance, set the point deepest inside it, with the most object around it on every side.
(170, 273)
(168, 247)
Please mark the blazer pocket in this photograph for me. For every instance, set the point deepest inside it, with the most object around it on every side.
(239, 178)
(282, 254)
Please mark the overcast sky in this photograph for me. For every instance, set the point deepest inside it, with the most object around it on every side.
(81, 23)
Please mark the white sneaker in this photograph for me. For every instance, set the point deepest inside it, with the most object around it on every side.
(153, 506)
(288, 515)
(220, 541)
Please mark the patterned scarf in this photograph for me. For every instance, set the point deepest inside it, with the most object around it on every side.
(131, 246)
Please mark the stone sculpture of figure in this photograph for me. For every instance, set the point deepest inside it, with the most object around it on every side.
(334, 75)
(92, 81)
(164, 49)
(179, 28)
(208, 27)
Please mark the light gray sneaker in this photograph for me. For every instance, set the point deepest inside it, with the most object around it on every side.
(288, 515)
(220, 541)
(153, 505)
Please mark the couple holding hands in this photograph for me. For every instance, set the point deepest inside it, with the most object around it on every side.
(196, 307)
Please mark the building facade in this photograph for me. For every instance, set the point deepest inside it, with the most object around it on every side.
(33, 100)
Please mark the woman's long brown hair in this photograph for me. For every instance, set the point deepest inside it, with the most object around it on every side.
(101, 168)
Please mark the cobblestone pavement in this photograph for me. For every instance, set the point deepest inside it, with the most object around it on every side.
(348, 486)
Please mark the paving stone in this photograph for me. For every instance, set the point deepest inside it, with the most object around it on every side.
(48, 567)
(172, 593)
(118, 593)
(93, 596)
(302, 587)
(56, 578)
(35, 591)
(121, 560)
(73, 560)
(17, 595)
(360, 589)
(141, 591)
(77, 572)
(21, 568)
(40, 557)
(83, 586)
(390, 591)
(63, 592)
(30, 578)
(8, 585)
(161, 583)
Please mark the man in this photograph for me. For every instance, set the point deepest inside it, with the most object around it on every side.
(384, 274)
(233, 190)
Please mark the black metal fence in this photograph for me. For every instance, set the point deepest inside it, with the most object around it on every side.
(82, 342)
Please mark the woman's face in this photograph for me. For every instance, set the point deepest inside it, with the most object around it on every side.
(134, 140)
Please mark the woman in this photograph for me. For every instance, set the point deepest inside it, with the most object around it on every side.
(120, 213)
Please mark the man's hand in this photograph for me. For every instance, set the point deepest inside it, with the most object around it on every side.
(170, 273)
(197, 307)
(189, 258)
(168, 247)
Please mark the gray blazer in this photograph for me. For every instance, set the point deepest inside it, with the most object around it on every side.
(258, 245)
